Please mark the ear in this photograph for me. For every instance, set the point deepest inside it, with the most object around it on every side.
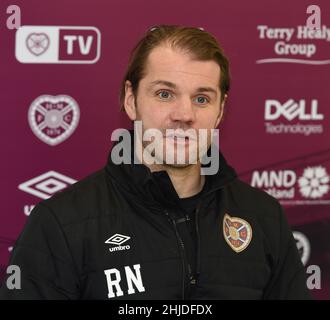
(222, 107)
(129, 101)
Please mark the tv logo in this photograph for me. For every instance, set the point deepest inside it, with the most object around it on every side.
(57, 44)
(291, 110)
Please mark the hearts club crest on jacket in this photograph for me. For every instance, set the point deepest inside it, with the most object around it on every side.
(237, 232)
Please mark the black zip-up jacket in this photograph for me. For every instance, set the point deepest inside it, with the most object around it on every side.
(114, 235)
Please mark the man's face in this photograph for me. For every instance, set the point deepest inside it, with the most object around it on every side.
(176, 93)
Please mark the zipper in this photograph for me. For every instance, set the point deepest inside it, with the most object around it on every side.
(193, 280)
(198, 249)
(185, 263)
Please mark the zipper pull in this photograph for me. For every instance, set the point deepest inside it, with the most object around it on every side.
(168, 216)
(192, 279)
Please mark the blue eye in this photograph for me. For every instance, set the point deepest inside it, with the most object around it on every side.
(163, 94)
(202, 100)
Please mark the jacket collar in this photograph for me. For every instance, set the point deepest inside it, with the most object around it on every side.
(137, 179)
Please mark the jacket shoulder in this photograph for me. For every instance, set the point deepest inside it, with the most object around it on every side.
(251, 199)
(84, 199)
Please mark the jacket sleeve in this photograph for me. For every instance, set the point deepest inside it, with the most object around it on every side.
(288, 281)
(45, 261)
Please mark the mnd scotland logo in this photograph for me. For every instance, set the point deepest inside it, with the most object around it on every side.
(307, 186)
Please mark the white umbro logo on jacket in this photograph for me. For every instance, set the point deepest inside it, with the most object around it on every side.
(117, 240)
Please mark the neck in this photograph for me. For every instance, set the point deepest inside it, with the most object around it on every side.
(187, 181)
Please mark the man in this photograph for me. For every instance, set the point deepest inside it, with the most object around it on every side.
(163, 230)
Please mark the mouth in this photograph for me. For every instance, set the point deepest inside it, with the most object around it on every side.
(179, 139)
(180, 136)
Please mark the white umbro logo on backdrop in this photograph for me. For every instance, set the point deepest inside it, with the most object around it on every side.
(118, 239)
(47, 184)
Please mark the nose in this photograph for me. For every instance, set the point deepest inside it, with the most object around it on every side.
(183, 111)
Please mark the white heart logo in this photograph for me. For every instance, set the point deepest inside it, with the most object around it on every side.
(53, 118)
(37, 43)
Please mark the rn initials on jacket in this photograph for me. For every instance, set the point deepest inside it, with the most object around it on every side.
(114, 278)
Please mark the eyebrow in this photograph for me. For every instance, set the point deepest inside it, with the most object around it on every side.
(174, 86)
